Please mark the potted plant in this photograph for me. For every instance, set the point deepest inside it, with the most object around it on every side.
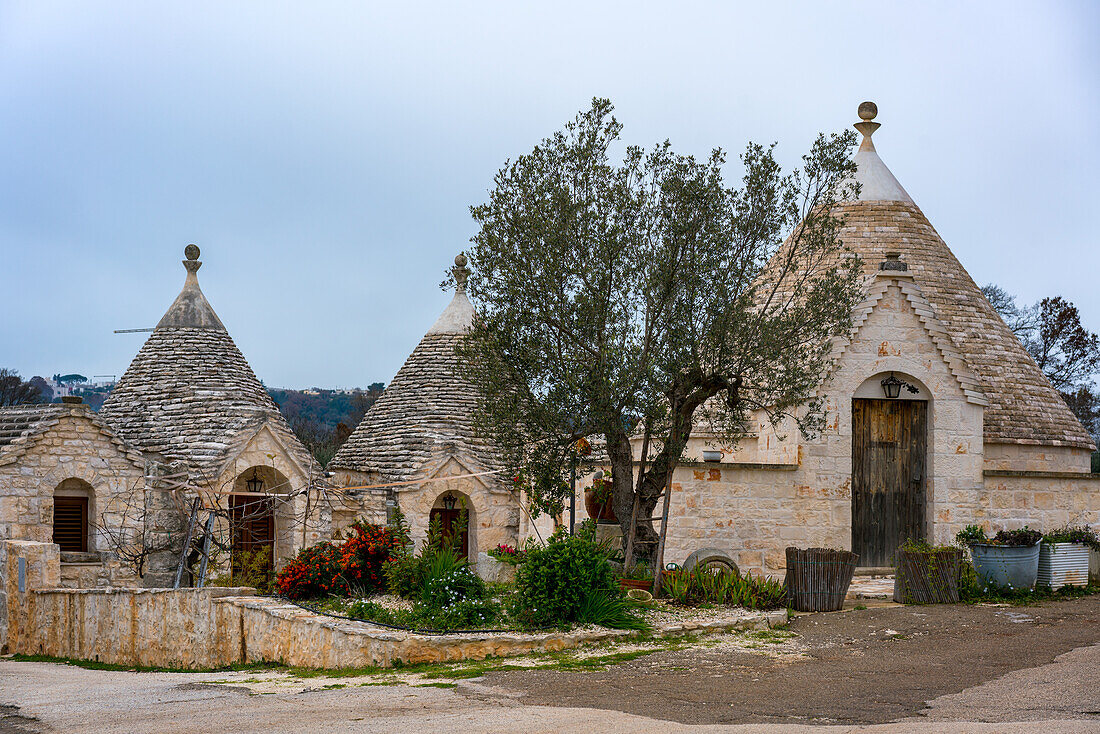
(1064, 557)
(926, 573)
(599, 499)
(638, 577)
(1010, 559)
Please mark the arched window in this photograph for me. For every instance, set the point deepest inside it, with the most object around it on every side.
(72, 508)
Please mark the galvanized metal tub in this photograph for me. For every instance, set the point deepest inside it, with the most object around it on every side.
(1013, 566)
(1063, 564)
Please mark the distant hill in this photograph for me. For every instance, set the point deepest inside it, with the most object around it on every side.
(323, 419)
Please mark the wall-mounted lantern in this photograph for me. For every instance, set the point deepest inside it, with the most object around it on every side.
(449, 501)
(255, 484)
(891, 387)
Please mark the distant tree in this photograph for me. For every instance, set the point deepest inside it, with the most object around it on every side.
(14, 390)
(644, 298)
(43, 388)
(69, 379)
(1066, 352)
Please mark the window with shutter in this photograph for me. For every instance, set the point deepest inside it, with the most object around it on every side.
(70, 523)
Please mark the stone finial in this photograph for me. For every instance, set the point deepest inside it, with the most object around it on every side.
(461, 272)
(191, 252)
(867, 112)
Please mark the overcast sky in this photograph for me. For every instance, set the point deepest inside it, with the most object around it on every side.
(324, 157)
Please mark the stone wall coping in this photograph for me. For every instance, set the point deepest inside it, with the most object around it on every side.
(573, 638)
(1041, 474)
(216, 592)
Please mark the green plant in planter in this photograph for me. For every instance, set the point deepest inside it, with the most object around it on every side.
(971, 534)
(1082, 535)
(1024, 536)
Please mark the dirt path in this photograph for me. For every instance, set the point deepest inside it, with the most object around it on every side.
(859, 667)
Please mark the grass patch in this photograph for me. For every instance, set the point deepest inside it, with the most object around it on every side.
(1025, 597)
(436, 685)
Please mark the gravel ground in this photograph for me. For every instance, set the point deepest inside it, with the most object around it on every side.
(980, 669)
(856, 667)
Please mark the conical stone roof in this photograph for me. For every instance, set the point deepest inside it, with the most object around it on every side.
(189, 395)
(427, 410)
(1023, 407)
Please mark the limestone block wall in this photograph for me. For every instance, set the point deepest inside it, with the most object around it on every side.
(1042, 500)
(74, 449)
(781, 489)
(1026, 457)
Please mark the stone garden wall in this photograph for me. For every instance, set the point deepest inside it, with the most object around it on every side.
(215, 627)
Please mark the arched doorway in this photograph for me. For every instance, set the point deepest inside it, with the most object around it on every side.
(455, 516)
(252, 521)
(73, 506)
(889, 466)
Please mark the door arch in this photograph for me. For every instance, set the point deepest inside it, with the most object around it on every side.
(252, 519)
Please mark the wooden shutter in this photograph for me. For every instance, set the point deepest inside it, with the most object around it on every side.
(70, 523)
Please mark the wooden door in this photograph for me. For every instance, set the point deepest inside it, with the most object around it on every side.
(448, 524)
(253, 528)
(889, 438)
(70, 523)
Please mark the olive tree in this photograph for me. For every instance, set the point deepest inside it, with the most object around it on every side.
(646, 299)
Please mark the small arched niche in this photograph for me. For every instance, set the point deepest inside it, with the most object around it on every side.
(73, 510)
(448, 510)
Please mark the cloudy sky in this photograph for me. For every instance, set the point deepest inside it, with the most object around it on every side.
(324, 155)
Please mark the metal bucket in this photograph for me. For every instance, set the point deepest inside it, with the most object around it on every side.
(1014, 566)
(1063, 564)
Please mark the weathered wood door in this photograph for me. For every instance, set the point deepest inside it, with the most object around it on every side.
(888, 476)
(253, 529)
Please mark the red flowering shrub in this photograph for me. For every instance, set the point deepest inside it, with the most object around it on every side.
(316, 571)
(364, 552)
(329, 569)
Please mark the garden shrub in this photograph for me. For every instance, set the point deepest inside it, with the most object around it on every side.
(326, 569)
(364, 552)
(404, 575)
(315, 571)
(555, 579)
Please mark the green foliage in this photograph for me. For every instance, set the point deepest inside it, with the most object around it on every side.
(616, 296)
(1083, 535)
(404, 575)
(611, 609)
(554, 581)
(971, 534)
(1023, 536)
(249, 568)
(723, 586)
(1020, 537)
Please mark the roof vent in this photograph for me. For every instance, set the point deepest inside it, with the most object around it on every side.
(894, 262)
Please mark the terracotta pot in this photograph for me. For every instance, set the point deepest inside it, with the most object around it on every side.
(596, 511)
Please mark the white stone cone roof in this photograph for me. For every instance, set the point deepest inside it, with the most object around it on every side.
(1023, 407)
(427, 410)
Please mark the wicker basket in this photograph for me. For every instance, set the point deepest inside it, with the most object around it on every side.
(818, 578)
